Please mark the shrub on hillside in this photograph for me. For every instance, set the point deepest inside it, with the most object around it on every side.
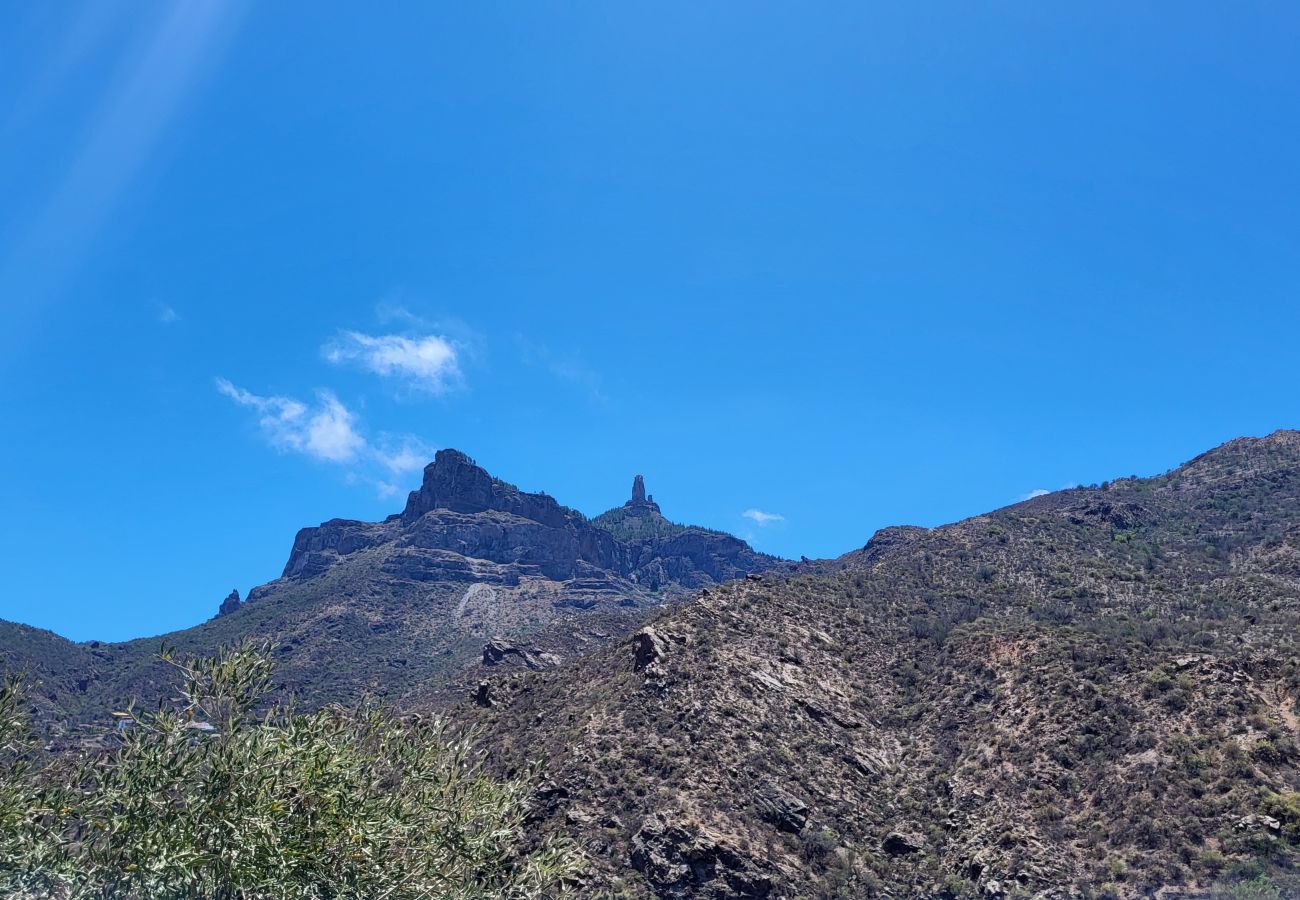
(208, 798)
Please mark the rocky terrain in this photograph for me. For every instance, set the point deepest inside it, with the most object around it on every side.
(472, 568)
(1089, 694)
(1093, 693)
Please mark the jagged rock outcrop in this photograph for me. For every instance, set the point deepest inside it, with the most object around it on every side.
(649, 647)
(455, 483)
(780, 807)
(498, 651)
(230, 604)
(316, 549)
(640, 501)
(686, 861)
(659, 553)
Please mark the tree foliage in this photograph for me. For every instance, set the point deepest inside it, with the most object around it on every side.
(207, 797)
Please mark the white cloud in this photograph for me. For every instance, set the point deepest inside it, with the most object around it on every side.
(167, 315)
(762, 518)
(426, 363)
(403, 455)
(330, 431)
(326, 431)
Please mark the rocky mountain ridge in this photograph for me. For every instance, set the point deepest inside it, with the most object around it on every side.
(460, 509)
(409, 602)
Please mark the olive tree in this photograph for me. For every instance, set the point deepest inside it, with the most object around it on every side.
(221, 795)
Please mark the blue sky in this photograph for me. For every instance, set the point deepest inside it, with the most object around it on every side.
(843, 264)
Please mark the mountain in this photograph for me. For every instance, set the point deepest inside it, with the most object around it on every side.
(471, 567)
(1091, 693)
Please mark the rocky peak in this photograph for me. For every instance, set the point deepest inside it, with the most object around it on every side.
(639, 499)
(455, 482)
(230, 604)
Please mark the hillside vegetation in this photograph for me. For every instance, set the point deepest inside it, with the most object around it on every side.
(208, 798)
(1089, 694)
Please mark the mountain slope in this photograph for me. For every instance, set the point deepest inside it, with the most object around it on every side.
(1091, 693)
(407, 603)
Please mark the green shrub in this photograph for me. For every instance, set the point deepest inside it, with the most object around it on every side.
(1259, 888)
(206, 798)
(1286, 809)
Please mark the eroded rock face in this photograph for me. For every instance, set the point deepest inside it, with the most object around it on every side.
(1103, 512)
(316, 549)
(695, 558)
(1258, 822)
(453, 482)
(683, 861)
(780, 807)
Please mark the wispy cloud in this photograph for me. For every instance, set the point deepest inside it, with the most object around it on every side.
(428, 363)
(403, 454)
(761, 518)
(166, 314)
(327, 431)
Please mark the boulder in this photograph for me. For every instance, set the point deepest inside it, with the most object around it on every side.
(1258, 822)
(498, 651)
(649, 646)
(902, 843)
